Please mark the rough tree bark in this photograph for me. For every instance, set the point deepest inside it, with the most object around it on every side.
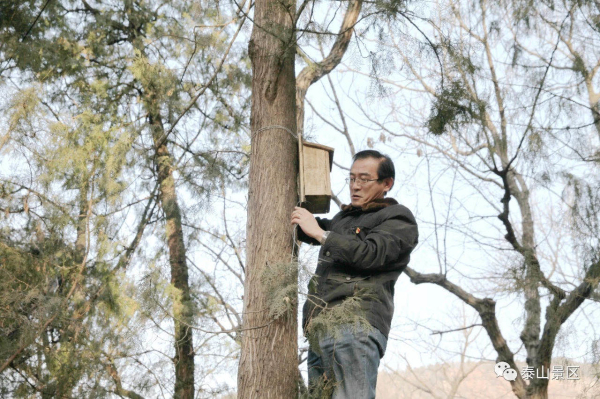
(268, 365)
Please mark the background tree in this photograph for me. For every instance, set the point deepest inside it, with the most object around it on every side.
(501, 124)
(107, 136)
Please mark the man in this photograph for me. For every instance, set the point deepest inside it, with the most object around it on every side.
(364, 248)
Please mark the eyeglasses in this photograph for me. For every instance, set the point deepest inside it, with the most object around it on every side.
(359, 180)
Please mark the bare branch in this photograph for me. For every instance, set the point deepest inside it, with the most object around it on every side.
(457, 329)
(486, 309)
(316, 70)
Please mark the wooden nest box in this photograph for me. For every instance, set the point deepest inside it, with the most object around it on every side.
(316, 161)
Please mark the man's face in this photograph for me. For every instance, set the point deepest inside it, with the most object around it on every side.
(361, 193)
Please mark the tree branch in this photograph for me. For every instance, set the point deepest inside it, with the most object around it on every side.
(316, 70)
(486, 308)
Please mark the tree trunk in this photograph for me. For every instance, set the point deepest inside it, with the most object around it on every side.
(182, 309)
(268, 365)
(182, 312)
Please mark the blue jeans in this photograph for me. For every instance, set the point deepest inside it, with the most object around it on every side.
(352, 358)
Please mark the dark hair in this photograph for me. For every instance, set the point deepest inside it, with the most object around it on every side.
(386, 166)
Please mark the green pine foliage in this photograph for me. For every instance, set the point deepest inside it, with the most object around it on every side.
(80, 292)
(452, 108)
(330, 319)
(281, 282)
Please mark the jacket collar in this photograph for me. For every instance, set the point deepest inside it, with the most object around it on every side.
(372, 206)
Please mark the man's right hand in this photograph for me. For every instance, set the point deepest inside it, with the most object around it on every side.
(307, 223)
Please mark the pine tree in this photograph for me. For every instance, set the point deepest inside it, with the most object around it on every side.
(107, 129)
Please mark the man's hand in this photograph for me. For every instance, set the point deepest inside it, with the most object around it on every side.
(307, 223)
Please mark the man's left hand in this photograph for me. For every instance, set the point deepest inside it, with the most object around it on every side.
(307, 223)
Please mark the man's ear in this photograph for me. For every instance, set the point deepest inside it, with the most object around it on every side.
(388, 184)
